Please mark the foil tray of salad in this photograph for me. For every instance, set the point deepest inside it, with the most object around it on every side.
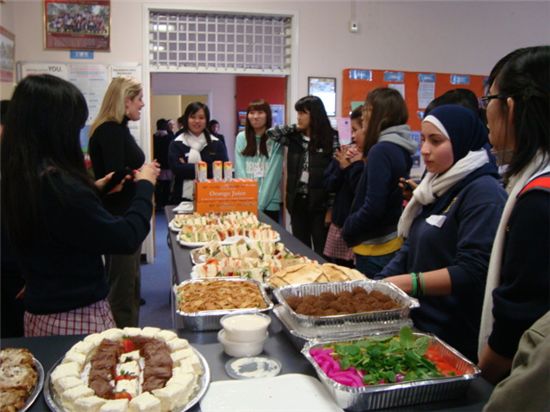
(386, 370)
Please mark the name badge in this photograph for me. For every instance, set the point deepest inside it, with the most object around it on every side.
(436, 220)
(304, 178)
(256, 169)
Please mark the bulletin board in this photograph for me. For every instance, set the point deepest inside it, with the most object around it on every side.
(418, 87)
(92, 79)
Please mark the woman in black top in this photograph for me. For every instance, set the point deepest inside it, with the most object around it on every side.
(53, 212)
(194, 144)
(113, 148)
(311, 146)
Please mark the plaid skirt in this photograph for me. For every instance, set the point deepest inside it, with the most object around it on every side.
(335, 247)
(96, 317)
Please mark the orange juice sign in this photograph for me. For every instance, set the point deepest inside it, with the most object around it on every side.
(238, 195)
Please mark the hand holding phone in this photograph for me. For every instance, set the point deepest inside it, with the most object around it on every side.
(117, 178)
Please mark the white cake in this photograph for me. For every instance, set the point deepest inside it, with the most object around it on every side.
(70, 378)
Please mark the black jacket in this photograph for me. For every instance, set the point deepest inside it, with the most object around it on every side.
(112, 148)
(318, 197)
(342, 182)
(161, 141)
(177, 150)
(63, 269)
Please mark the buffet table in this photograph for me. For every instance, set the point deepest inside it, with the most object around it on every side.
(48, 350)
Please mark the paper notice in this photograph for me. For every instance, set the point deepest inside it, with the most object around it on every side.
(400, 87)
(426, 93)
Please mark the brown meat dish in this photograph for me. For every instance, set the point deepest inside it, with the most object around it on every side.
(157, 368)
(158, 364)
(341, 303)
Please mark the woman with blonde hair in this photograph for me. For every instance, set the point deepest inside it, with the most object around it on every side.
(113, 148)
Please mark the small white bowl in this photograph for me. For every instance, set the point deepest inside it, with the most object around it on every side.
(241, 349)
(247, 327)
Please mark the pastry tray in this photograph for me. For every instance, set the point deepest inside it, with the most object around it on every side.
(210, 319)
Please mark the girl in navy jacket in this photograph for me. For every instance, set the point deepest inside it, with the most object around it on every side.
(449, 226)
(371, 227)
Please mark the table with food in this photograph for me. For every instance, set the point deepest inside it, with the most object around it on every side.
(260, 322)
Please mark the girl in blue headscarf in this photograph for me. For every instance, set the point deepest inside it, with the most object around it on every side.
(449, 226)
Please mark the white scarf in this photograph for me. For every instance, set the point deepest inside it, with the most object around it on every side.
(537, 167)
(196, 144)
(435, 185)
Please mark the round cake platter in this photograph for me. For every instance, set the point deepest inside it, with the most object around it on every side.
(55, 405)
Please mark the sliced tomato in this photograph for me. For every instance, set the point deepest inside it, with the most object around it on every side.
(128, 346)
(125, 377)
(123, 395)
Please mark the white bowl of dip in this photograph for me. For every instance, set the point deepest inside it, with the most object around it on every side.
(247, 327)
(241, 349)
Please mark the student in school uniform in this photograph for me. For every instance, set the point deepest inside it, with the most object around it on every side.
(449, 226)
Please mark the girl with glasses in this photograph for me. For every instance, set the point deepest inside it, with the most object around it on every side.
(518, 280)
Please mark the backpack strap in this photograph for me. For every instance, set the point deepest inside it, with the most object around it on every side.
(539, 183)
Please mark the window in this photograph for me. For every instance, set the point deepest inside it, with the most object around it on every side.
(201, 41)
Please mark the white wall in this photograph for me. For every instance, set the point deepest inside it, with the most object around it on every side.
(7, 22)
(444, 36)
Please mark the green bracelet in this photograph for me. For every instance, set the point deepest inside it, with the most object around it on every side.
(414, 281)
(421, 284)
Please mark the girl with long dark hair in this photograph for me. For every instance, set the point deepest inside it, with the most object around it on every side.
(54, 214)
(311, 143)
(371, 227)
(257, 157)
(518, 282)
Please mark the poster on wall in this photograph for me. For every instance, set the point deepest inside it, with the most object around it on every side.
(77, 24)
(325, 89)
(417, 162)
(7, 55)
(92, 80)
(277, 114)
(60, 70)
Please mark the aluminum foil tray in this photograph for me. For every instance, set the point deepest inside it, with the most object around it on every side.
(299, 335)
(398, 394)
(210, 319)
(380, 317)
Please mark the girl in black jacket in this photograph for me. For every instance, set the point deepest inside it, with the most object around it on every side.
(311, 146)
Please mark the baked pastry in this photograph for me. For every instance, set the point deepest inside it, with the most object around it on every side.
(313, 272)
(128, 369)
(18, 378)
